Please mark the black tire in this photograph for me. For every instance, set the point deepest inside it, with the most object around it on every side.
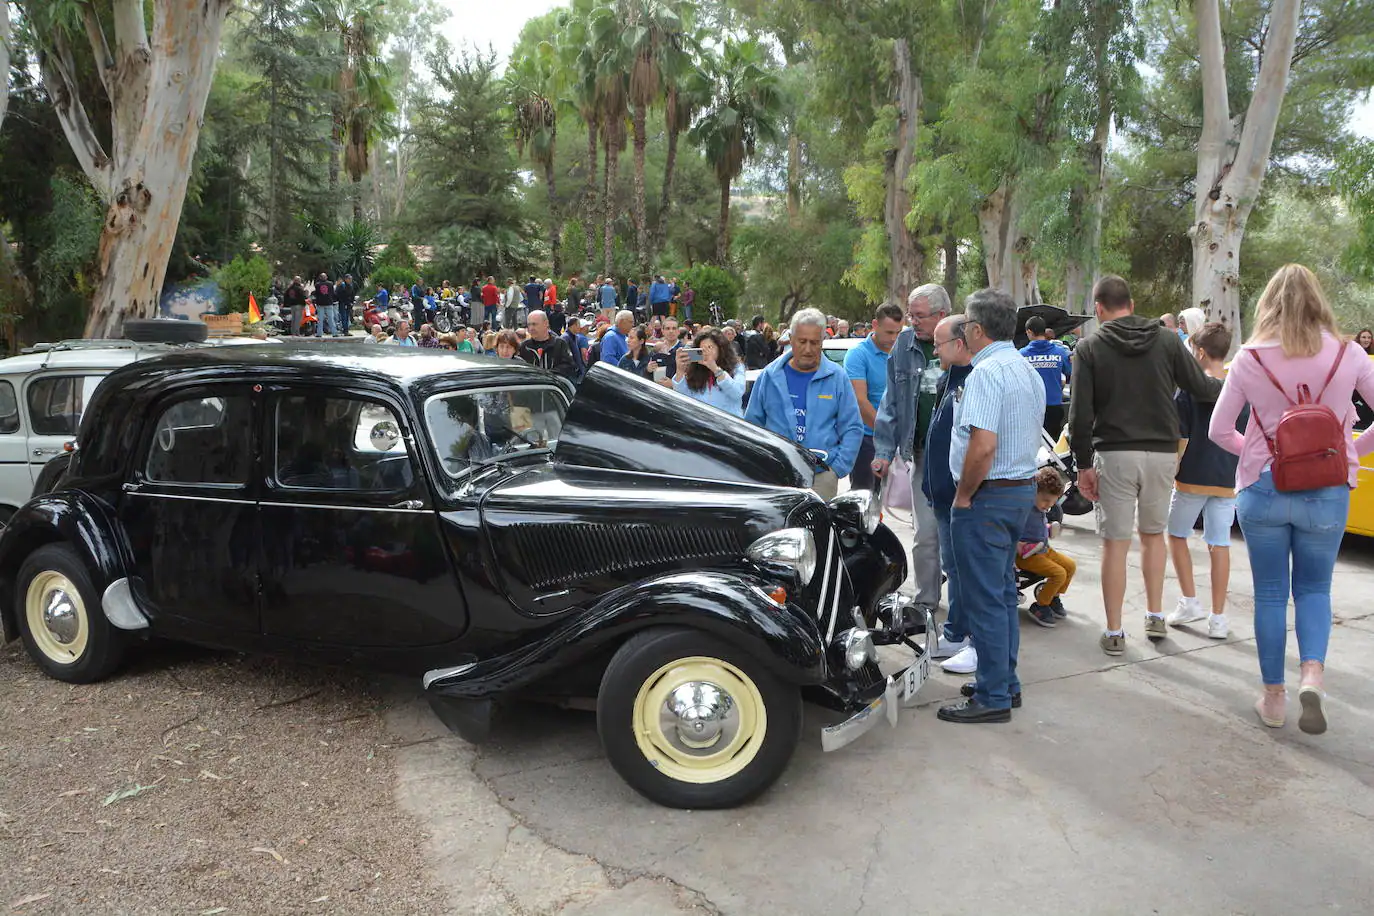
(162, 330)
(639, 665)
(442, 324)
(50, 478)
(102, 649)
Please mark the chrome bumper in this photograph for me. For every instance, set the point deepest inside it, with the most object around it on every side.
(900, 691)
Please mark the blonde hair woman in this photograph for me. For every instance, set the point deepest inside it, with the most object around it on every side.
(1292, 536)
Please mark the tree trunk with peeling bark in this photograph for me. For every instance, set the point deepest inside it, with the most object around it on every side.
(1229, 175)
(906, 259)
(1005, 246)
(951, 265)
(157, 90)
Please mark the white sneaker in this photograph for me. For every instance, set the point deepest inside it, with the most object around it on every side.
(966, 662)
(944, 648)
(1217, 627)
(1189, 610)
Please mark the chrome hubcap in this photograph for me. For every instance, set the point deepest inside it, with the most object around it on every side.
(60, 616)
(697, 716)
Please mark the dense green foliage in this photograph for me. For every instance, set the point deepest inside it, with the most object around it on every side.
(240, 277)
(749, 145)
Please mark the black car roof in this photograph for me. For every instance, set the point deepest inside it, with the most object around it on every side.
(402, 365)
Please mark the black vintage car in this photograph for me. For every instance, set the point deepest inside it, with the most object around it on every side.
(469, 522)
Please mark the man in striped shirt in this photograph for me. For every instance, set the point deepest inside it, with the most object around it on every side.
(993, 457)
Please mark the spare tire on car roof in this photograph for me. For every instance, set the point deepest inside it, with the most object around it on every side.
(163, 330)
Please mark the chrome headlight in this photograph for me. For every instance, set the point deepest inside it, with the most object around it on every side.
(859, 508)
(857, 647)
(791, 548)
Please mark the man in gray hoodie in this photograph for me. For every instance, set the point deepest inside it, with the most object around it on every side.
(1123, 430)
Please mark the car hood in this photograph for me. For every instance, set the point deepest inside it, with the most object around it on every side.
(621, 422)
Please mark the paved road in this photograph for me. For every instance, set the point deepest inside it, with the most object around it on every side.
(1131, 785)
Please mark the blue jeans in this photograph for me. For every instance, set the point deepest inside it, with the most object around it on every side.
(985, 536)
(490, 312)
(955, 628)
(1293, 539)
(345, 317)
(326, 316)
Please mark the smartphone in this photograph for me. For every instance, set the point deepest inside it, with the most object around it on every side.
(694, 354)
(664, 360)
(660, 373)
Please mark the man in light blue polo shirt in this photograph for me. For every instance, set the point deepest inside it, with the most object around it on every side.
(993, 457)
(866, 366)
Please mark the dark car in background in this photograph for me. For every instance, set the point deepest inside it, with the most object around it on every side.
(467, 522)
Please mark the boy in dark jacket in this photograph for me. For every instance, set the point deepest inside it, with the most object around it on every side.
(1204, 485)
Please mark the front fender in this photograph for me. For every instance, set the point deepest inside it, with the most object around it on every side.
(73, 517)
(732, 606)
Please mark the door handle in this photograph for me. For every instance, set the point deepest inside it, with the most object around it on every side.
(407, 504)
(40, 452)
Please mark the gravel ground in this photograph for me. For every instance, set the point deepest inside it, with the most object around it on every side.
(202, 783)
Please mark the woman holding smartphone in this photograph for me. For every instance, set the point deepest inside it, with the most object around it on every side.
(710, 373)
(638, 361)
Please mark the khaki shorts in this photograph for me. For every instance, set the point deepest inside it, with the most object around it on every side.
(1131, 484)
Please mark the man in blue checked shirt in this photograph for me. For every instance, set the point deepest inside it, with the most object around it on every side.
(992, 455)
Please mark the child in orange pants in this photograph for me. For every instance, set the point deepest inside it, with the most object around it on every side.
(1035, 555)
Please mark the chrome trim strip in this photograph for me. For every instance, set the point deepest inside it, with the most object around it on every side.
(120, 607)
(825, 579)
(441, 674)
(204, 499)
(835, 601)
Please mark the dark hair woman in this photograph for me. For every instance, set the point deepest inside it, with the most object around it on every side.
(638, 361)
(507, 344)
(716, 379)
(1366, 340)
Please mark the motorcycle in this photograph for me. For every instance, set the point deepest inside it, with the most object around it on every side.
(449, 314)
(373, 315)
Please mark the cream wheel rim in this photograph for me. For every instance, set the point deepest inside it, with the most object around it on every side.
(699, 720)
(56, 616)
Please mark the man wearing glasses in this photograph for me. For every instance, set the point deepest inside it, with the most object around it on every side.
(903, 418)
(993, 457)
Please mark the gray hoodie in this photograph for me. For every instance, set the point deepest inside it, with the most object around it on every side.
(1122, 389)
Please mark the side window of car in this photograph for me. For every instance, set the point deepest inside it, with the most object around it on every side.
(9, 409)
(202, 440)
(339, 443)
(56, 403)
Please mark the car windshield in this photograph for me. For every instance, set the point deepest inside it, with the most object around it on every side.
(476, 427)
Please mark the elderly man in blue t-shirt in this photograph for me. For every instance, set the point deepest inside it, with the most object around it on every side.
(866, 366)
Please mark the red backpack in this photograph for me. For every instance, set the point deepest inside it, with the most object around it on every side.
(1308, 444)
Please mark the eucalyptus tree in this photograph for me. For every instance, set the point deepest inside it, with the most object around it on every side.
(154, 86)
(742, 113)
(534, 121)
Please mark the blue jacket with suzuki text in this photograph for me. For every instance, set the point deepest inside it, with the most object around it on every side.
(1054, 362)
(894, 429)
(832, 411)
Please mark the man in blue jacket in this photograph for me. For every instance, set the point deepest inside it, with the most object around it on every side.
(1054, 362)
(913, 373)
(660, 294)
(808, 399)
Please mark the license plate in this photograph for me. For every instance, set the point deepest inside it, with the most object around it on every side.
(915, 676)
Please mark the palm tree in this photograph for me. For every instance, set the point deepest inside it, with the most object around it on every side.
(653, 33)
(687, 91)
(535, 120)
(576, 76)
(611, 88)
(743, 111)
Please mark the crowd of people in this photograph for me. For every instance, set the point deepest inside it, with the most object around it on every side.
(1163, 432)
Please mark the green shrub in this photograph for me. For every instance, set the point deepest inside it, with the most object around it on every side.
(712, 284)
(397, 254)
(238, 278)
(392, 277)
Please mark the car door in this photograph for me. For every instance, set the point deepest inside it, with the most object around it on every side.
(352, 550)
(189, 509)
(15, 480)
(55, 402)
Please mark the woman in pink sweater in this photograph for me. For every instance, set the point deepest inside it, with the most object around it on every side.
(1292, 537)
